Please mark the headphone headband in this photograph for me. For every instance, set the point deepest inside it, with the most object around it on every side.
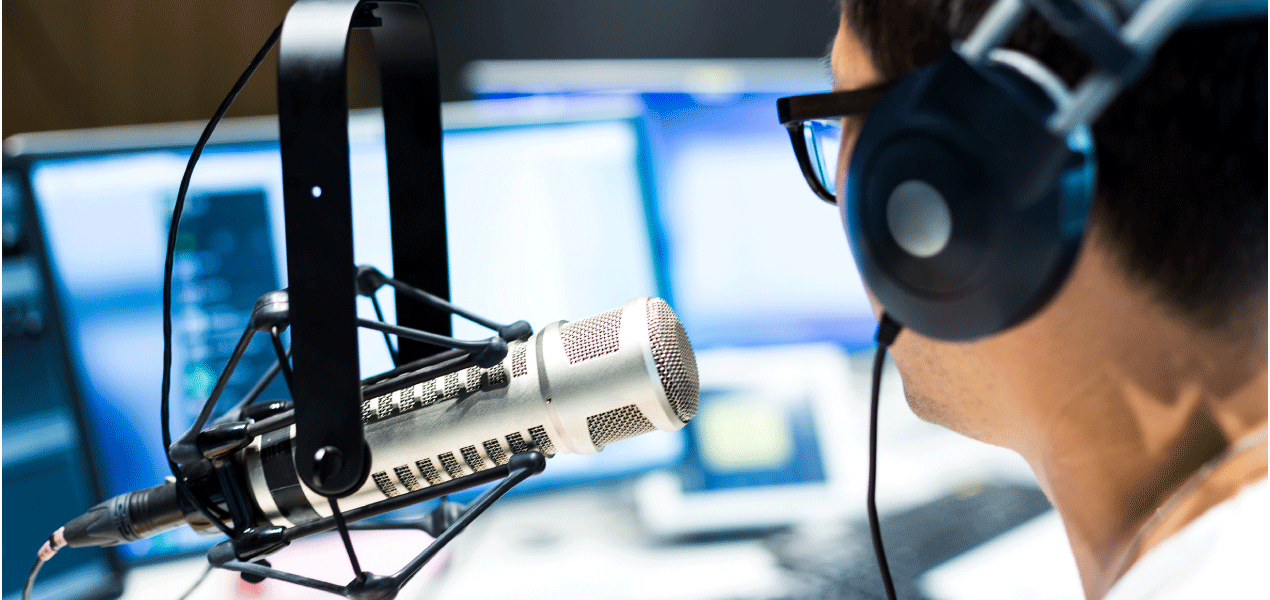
(1119, 50)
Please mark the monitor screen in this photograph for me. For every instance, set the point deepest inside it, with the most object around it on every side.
(48, 477)
(754, 257)
(544, 202)
(759, 271)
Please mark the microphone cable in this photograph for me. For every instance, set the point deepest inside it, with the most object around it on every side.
(170, 258)
(888, 330)
(51, 546)
(55, 541)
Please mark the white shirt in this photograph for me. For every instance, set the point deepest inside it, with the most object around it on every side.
(1225, 553)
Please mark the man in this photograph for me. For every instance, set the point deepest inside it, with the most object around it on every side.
(1138, 394)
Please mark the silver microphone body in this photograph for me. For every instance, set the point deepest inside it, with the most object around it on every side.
(572, 387)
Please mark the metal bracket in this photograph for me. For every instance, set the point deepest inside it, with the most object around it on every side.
(244, 552)
(1096, 32)
(313, 130)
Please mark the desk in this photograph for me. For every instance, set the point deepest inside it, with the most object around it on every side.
(585, 544)
(582, 544)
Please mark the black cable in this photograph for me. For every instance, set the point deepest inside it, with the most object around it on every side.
(55, 542)
(165, 393)
(888, 329)
(164, 413)
(30, 578)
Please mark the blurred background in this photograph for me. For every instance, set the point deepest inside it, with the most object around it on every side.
(82, 63)
(594, 151)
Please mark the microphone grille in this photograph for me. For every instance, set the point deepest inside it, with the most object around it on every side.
(617, 425)
(520, 366)
(594, 336)
(676, 364)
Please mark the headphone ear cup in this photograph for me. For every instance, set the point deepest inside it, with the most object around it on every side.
(963, 211)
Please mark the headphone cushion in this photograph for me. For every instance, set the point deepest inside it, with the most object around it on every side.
(964, 213)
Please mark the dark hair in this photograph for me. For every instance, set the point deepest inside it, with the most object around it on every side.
(1181, 154)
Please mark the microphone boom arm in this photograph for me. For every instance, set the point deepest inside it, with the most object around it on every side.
(317, 196)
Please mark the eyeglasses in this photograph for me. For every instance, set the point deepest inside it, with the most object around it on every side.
(814, 122)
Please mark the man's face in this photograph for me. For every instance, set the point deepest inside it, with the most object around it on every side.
(953, 385)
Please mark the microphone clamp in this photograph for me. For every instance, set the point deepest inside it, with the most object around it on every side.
(272, 310)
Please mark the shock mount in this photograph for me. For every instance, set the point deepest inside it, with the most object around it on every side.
(321, 367)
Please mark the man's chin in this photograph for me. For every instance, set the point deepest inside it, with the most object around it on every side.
(929, 410)
(944, 414)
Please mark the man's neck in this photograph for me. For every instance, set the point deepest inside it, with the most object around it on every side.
(1113, 453)
(1242, 463)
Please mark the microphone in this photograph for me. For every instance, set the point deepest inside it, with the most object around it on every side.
(572, 387)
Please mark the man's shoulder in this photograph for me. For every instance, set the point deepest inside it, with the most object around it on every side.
(1222, 554)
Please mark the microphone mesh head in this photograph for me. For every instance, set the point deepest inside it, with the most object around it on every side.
(520, 366)
(617, 424)
(591, 337)
(676, 364)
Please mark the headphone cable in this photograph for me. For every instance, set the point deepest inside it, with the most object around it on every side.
(888, 330)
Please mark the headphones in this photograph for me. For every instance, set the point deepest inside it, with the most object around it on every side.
(972, 177)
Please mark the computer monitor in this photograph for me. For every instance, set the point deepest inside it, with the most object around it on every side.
(760, 274)
(754, 257)
(48, 474)
(548, 218)
(767, 448)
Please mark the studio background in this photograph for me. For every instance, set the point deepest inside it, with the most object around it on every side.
(79, 63)
(745, 237)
